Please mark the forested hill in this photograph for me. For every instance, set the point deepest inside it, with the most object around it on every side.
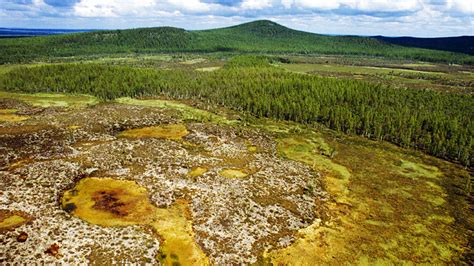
(259, 36)
(462, 44)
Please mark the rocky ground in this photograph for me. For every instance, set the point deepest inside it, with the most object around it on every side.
(241, 197)
(158, 181)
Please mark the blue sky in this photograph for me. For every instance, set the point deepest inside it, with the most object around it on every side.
(424, 18)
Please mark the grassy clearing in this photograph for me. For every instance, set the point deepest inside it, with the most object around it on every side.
(351, 69)
(208, 69)
(415, 170)
(52, 100)
(314, 151)
(187, 112)
(419, 65)
(415, 76)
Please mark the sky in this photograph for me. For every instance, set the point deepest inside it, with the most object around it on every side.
(420, 18)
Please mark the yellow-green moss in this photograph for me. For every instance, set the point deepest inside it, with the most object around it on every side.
(12, 221)
(233, 173)
(73, 127)
(110, 202)
(197, 171)
(385, 219)
(207, 69)
(416, 170)
(9, 115)
(53, 100)
(252, 148)
(8, 111)
(310, 151)
(187, 112)
(173, 132)
(13, 118)
(306, 250)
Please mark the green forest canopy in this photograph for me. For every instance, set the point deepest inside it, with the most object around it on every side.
(437, 123)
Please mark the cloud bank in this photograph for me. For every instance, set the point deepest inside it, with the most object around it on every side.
(362, 17)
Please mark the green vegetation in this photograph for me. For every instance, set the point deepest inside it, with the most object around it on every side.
(440, 124)
(53, 100)
(205, 127)
(258, 36)
(187, 112)
(392, 207)
(414, 76)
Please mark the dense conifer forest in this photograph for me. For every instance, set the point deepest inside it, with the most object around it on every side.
(259, 36)
(439, 123)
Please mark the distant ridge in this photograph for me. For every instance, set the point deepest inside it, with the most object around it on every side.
(262, 36)
(21, 32)
(462, 44)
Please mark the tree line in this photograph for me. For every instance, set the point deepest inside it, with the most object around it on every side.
(437, 123)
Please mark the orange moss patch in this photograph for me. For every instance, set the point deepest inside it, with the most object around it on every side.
(110, 202)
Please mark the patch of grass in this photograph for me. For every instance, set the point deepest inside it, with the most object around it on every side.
(9, 115)
(415, 170)
(13, 118)
(52, 100)
(173, 132)
(8, 111)
(313, 151)
(12, 221)
(193, 61)
(233, 173)
(420, 76)
(355, 70)
(208, 69)
(394, 210)
(197, 171)
(187, 112)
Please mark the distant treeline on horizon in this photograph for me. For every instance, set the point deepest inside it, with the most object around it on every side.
(23, 32)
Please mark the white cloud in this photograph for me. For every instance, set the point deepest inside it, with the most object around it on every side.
(191, 5)
(367, 17)
(461, 6)
(385, 5)
(311, 4)
(256, 4)
(361, 5)
(111, 8)
(317, 4)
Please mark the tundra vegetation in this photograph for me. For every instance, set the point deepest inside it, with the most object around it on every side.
(234, 146)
